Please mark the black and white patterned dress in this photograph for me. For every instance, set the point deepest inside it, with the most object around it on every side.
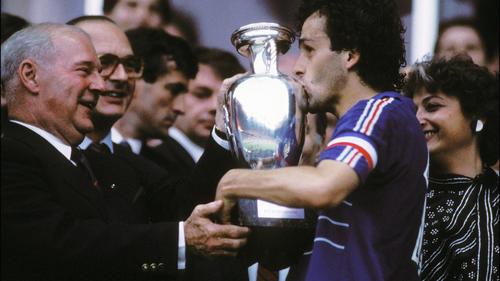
(461, 228)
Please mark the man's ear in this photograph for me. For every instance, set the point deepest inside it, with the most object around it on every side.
(352, 59)
(28, 74)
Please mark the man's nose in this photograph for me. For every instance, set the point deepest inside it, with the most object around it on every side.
(299, 67)
(213, 103)
(178, 105)
(97, 83)
(119, 73)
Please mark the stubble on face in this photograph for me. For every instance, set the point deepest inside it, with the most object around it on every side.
(324, 75)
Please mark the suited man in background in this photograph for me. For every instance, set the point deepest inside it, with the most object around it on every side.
(158, 99)
(135, 190)
(55, 222)
(186, 140)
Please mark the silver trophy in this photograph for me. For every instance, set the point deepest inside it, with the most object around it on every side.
(265, 128)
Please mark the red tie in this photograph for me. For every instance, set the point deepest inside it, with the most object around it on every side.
(264, 274)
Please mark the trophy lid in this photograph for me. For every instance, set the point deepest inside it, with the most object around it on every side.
(259, 33)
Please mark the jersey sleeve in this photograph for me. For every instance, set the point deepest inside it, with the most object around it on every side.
(359, 135)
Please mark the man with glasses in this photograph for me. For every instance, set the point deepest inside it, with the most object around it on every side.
(119, 67)
(135, 191)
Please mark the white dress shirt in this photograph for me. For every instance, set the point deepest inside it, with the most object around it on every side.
(63, 148)
(106, 140)
(135, 144)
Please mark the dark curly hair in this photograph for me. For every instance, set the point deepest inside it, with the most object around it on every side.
(156, 48)
(371, 27)
(475, 88)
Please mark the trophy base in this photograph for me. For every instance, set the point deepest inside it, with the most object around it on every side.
(275, 242)
(257, 213)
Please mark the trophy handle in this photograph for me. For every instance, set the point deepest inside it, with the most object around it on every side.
(270, 55)
(229, 133)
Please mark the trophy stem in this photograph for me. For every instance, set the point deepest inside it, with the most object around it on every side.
(264, 57)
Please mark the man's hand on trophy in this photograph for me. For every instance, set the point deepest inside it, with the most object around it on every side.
(221, 194)
(204, 237)
(219, 116)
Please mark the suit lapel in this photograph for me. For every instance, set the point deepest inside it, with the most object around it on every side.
(79, 181)
(180, 152)
(58, 165)
(170, 154)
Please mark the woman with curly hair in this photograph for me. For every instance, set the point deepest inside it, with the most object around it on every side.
(457, 106)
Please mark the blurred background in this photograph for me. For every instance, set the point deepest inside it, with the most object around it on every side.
(211, 22)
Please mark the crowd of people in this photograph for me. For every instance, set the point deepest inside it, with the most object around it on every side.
(116, 165)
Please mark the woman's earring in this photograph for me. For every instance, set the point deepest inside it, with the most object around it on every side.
(479, 126)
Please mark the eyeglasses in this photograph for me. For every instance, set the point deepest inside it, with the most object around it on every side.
(133, 65)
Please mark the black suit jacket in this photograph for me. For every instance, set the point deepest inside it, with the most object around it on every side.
(56, 227)
(134, 189)
(171, 156)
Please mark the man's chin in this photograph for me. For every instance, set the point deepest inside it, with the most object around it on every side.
(158, 134)
(76, 135)
(108, 116)
(205, 130)
(86, 128)
(205, 134)
(200, 136)
(111, 111)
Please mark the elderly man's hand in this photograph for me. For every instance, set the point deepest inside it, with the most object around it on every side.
(204, 237)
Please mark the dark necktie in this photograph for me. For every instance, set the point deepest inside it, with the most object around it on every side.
(264, 274)
(81, 162)
(126, 145)
(99, 147)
